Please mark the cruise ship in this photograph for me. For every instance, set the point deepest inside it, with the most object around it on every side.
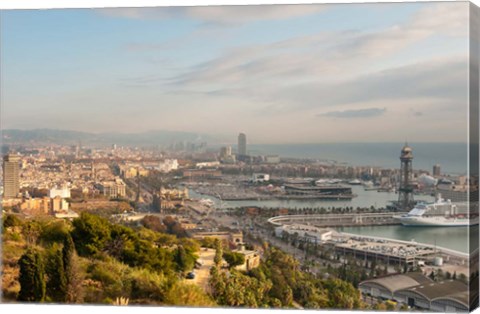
(207, 202)
(441, 213)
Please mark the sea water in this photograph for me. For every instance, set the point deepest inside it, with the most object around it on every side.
(452, 157)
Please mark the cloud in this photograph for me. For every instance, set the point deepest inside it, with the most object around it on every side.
(349, 74)
(447, 19)
(415, 113)
(355, 113)
(219, 15)
(325, 55)
(423, 80)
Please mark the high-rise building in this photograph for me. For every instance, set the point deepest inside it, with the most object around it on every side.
(405, 191)
(436, 170)
(226, 155)
(225, 151)
(242, 144)
(11, 176)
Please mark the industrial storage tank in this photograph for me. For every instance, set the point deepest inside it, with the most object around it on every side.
(438, 261)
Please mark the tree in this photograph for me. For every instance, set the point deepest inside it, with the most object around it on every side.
(72, 272)
(187, 295)
(440, 274)
(31, 232)
(218, 252)
(11, 221)
(404, 307)
(90, 234)
(57, 282)
(183, 260)
(31, 277)
(448, 275)
(380, 306)
(390, 306)
(462, 277)
(342, 294)
(174, 227)
(153, 223)
(234, 259)
(54, 231)
(373, 266)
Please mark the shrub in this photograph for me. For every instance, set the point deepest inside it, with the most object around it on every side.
(187, 294)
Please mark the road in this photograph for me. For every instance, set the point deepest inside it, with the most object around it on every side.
(203, 273)
(266, 235)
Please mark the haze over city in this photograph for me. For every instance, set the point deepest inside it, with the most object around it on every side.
(313, 157)
(304, 73)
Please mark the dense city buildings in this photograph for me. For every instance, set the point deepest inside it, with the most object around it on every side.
(458, 189)
(113, 189)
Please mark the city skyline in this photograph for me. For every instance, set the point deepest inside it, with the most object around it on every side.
(295, 70)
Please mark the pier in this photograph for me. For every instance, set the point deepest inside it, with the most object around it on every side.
(338, 220)
(389, 251)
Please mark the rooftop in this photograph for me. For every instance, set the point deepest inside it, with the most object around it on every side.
(451, 289)
(399, 282)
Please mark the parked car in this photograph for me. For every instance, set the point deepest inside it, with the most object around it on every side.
(191, 275)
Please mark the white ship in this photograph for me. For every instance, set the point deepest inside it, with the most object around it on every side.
(206, 202)
(441, 213)
(355, 182)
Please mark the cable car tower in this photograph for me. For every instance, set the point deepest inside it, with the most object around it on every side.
(405, 191)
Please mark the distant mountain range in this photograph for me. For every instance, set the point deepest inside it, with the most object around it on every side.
(67, 137)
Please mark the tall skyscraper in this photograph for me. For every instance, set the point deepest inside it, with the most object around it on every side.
(11, 176)
(242, 144)
(436, 170)
(405, 192)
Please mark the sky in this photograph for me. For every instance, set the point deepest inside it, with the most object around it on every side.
(380, 72)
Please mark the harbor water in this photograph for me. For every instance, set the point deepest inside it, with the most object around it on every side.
(363, 199)
(454, 238)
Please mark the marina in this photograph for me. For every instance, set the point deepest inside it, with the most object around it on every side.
(364, 199)
(454, 238)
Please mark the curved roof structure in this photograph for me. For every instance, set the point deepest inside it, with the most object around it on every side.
(399, 282)
(452, 290)
(447, 291)
(436, 290)
(460, 297)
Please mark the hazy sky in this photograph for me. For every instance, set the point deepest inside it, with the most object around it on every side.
(300, 73)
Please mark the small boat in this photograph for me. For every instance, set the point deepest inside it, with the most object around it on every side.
(355, 182)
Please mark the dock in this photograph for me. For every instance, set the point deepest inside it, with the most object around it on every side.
(338, 220)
